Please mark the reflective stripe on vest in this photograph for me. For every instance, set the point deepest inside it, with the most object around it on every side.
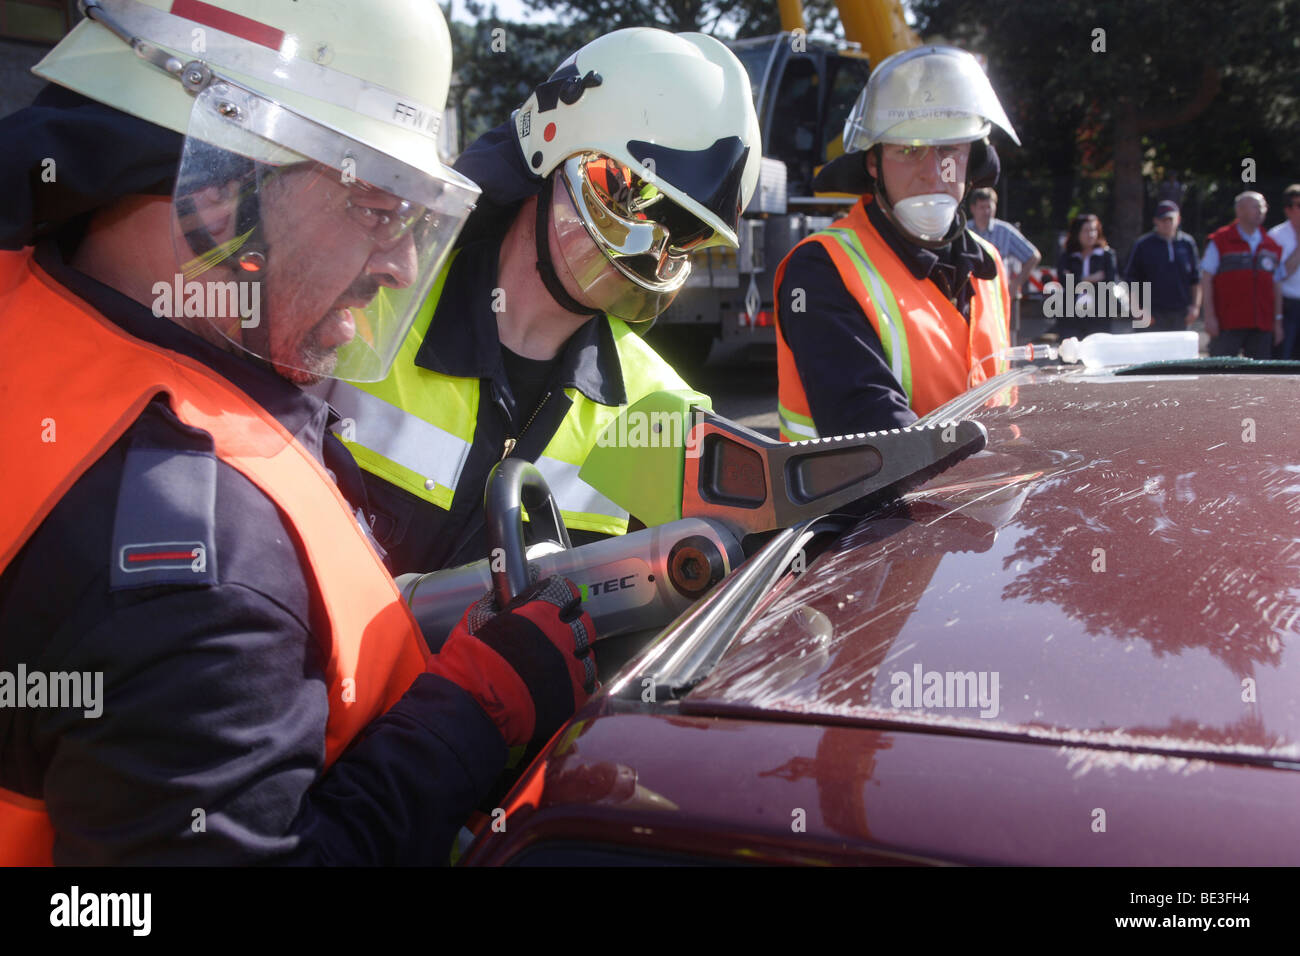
(400, 448)
(795, 427)
(94, 380)
(893, 328)
(415, 428)
(1001, 296)
(579, 502)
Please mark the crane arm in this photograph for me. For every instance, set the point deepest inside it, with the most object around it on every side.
(877, 25)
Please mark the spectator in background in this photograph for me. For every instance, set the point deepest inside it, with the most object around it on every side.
(1006, 238)
(1287, 236)
(1167, 259)
(1089, 258)
(1243, 305)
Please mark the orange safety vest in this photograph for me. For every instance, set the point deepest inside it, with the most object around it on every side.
(934, 352)
(63, 365)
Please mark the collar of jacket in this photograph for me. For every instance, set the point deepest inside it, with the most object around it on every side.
(304, 416)
(496, 162)
(964, 256)
(462, 339)
(1178, 236)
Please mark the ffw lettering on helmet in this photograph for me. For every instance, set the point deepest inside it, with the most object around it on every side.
(417, 117)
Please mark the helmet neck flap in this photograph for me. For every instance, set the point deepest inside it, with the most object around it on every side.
(545, 267)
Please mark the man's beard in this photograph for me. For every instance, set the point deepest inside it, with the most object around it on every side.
(316, 361)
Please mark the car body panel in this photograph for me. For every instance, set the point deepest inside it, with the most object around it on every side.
(760, 791)
(1122, 557)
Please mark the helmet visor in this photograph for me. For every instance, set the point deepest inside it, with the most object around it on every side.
(301, 245)
(646, 235)
(626, 271)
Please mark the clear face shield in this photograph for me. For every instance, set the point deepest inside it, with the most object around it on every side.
(626, 244)
(301, 245)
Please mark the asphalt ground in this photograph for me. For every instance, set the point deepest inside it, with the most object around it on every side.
(740, 377)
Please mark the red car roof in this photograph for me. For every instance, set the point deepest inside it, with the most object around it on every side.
(1121, 566)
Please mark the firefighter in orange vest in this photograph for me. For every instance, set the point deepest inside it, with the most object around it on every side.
(897, 308)
(202, 657)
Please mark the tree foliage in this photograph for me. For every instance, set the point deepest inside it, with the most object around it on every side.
(498, 62)
(1109, 96)
(723, 18)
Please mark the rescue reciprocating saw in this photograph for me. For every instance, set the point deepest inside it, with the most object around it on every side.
(702, 484)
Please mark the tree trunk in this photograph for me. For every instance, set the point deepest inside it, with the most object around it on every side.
(1064, 180)
(1130, 124)
(1130, 200)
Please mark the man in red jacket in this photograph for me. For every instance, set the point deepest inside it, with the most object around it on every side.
(1243, 305)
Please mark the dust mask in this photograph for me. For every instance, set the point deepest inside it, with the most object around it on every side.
(927, 217)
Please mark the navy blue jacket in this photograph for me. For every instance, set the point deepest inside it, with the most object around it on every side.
(214, 696)
(1171, 266)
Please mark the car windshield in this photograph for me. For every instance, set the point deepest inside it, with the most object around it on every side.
(755, 58)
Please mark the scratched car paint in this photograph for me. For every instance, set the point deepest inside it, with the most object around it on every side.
(1076, 646)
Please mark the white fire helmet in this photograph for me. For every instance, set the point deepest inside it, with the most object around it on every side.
(310, 168)
(650, 145)
(928, 96)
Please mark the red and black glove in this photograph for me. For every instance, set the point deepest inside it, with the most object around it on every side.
(529, 666)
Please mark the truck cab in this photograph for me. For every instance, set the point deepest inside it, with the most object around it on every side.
(803, 89)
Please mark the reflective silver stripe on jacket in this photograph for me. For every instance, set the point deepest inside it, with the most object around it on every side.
(573, 494)
(402, 438)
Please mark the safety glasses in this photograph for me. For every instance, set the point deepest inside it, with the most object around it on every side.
(384, 217)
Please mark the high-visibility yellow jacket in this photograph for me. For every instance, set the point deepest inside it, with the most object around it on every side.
(428, 432)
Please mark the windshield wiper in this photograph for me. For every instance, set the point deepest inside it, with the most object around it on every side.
(685, 653)
(1223, 365)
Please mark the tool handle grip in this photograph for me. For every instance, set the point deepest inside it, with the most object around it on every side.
(513, 485)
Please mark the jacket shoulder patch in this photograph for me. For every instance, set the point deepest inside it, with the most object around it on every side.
(163, 532)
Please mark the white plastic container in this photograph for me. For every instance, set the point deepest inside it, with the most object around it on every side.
(1103, 348)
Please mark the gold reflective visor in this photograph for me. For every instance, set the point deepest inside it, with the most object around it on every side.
(646, 235)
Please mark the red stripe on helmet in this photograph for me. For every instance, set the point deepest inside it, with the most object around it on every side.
(227, 22)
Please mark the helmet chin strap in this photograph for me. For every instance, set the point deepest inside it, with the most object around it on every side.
(546, 268)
